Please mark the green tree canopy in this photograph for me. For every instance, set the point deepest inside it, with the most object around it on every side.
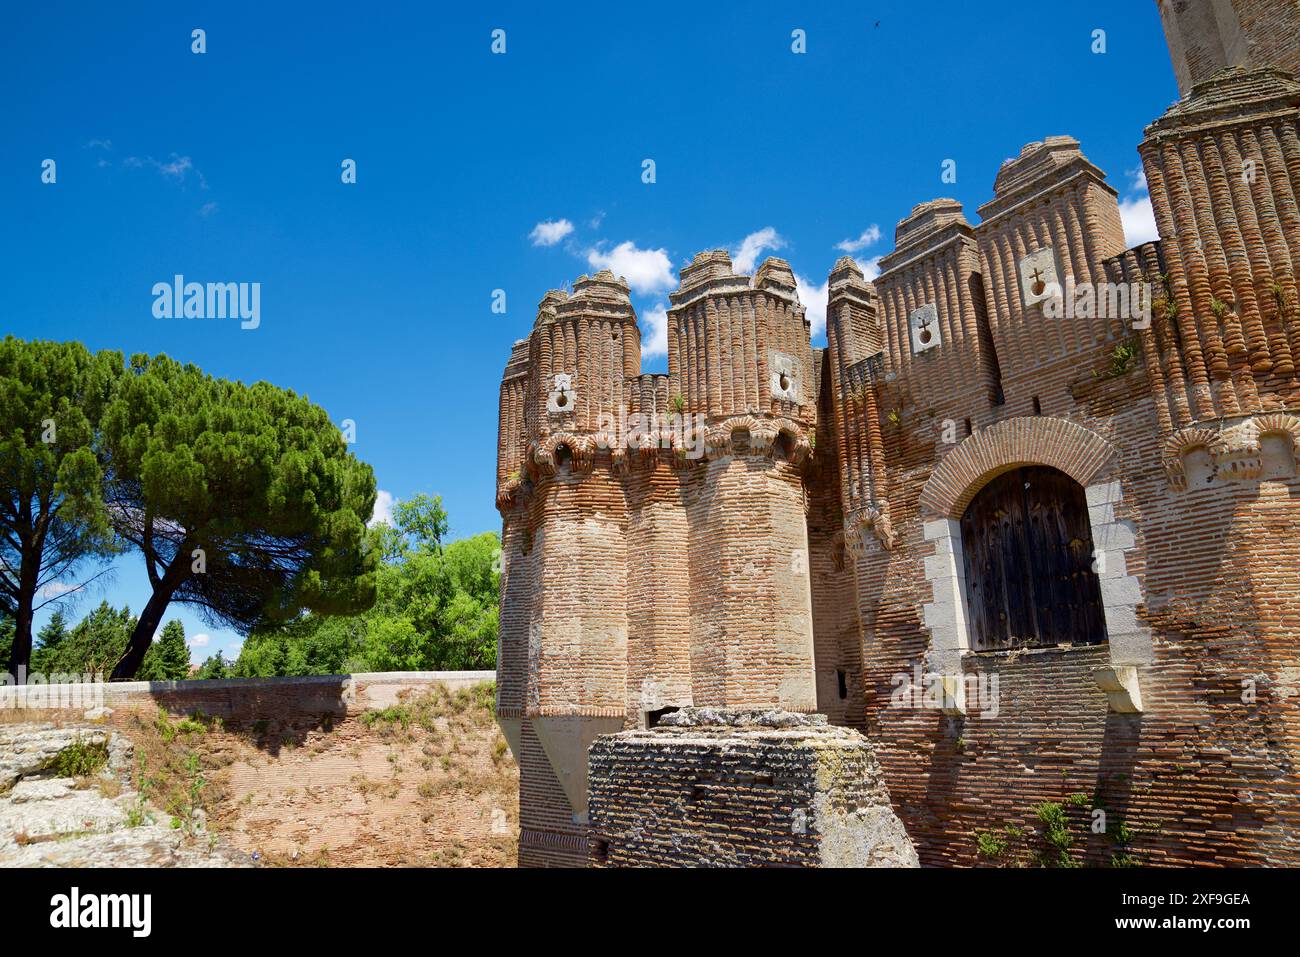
(90, 648)
(311, 645)
(52, 514)
(243, 500)
(6, 642)
(55, 631)
(214, 667)
(168, 658)
(436, 608)
(421, 521)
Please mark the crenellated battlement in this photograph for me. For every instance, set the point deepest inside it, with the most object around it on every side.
(573, 392)
(959, 322)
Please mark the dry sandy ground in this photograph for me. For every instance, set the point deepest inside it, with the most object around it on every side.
(437, 786)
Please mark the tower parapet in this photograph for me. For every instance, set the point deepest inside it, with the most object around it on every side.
(587, 347)
(935, 322)
(1052, 222)
(738, 346)
(1206, 36)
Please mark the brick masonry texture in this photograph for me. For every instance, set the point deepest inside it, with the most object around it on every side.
(1207, 35)
(782, 530)
(732, 788)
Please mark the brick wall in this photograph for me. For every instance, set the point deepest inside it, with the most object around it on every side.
(1206, 36)
(250, 698)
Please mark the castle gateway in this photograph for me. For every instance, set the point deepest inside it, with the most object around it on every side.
(977, 484)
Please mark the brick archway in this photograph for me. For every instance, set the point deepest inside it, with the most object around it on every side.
(1078, 452)
(1088, 459)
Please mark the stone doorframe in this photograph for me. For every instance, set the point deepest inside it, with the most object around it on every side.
(1090, 460)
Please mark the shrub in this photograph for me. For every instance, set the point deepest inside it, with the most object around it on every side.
(81, 759)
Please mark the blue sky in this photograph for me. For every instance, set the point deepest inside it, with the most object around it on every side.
(376, 296)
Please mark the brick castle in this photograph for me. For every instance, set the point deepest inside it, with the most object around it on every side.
(1030, 521)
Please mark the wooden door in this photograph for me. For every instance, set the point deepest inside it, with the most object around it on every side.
(1027, 551)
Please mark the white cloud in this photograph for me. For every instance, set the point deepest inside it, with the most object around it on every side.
(55, 589)
(1139, 220)
(207, 209)
(647, 271)
(870, 236)
(550, 232)
(870, 267)
(813, 298)
(199, 641)
(177, 168)
(745, 257)
(1136, 213)
(384, 502)
(654, 332)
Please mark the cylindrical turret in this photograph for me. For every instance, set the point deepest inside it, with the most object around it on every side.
(740, 360)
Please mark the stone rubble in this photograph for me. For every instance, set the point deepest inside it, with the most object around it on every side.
(48, 821)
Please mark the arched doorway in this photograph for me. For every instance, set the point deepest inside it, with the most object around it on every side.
(1028, 557)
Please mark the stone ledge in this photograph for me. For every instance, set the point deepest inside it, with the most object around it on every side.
(741, 717)
(228, 697)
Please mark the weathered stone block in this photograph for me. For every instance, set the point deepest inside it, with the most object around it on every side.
(713, 787)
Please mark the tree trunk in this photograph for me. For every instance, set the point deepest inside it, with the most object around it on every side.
(145, 627)
(20, 658)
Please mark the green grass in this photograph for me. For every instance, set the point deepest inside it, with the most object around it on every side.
(393, 714)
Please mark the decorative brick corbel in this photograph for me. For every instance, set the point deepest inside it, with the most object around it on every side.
(581, 448)
(870, 519)
(507, 491)
(1183, 441)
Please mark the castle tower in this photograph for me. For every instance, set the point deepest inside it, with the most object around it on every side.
(1206, 36)
(740, 360)
(563, 637)
(1223, 169)
(654, 534)
(1051, 224)
(848, 485)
